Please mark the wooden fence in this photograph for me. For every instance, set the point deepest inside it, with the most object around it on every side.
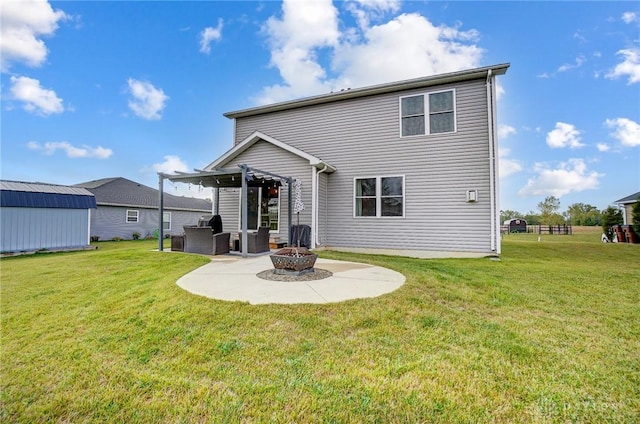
(543, 229)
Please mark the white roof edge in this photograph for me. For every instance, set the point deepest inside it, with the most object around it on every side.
(439, 79)
(255, 137)
(24, 186)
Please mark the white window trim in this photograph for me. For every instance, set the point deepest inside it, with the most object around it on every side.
(163, 221)
(137, 216)
(379, 197)
(427, 113)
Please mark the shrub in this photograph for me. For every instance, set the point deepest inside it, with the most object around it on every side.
(136, 235)
(117, 238)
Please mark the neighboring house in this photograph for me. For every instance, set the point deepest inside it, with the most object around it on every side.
(406, 168)
(626, 203)
(126, 207)
(37, 216)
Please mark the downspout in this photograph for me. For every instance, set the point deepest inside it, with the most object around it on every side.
(493, 186)
(315, 205)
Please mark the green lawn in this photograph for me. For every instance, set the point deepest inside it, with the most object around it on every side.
(550, 333)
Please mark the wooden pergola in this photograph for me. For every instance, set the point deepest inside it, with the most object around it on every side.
(242, 177)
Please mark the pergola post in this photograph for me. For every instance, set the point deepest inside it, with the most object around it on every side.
(160, 210)
(245, 215)
(290, 211)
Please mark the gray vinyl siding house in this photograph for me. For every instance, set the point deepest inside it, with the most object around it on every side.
(126, 207)
(405, 168)
(38, 216)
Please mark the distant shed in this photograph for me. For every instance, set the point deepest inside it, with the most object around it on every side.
(515, 225)
(37, 216)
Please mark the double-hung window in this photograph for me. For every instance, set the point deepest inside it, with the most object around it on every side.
(430, 113)
(379, 197)
(166, 220)
(132, 216)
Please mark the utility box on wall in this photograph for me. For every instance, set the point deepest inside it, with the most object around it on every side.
(472, 196)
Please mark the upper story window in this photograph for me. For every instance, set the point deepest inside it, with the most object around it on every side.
(430, 113)
(379, 196)
(132, 216)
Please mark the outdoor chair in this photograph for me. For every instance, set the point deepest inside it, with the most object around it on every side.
(258, 241)
(202, 240)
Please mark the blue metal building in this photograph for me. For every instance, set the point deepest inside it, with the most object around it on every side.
(37, 216)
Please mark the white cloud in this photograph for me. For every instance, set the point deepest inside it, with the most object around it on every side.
(625, 130)
(21, 25)
(603, 147)
(208, 35)
(295, 41)
(171, 165)
(366, 10)
(508, 166)
(505, 131)
(578, 63)
(147, 101)
(629, 17)
(629, 67)
(36, 99)
(564, 135)
(568, 177)
(407, 46)
(73, 152)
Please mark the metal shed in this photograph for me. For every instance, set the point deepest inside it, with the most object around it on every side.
(38, 216)
(516, 225)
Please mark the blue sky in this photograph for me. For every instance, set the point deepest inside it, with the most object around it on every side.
(106, 89)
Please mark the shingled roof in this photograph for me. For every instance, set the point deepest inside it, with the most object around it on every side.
(629, 199)
(123, 192)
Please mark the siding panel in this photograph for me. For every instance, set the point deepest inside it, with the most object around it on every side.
(109, 222)
(361, 137)
(27, 229)
(266, 156)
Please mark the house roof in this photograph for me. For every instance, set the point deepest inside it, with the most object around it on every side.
(629, 199)
(126, 193)
(257, 136)
(422, 82)
(41, 195)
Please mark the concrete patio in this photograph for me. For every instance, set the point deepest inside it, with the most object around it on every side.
(232, 278)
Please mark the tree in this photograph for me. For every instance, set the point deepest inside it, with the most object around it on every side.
(610, 217)
(549, 211)
(635, 217)
(532, 218)
(581, 214)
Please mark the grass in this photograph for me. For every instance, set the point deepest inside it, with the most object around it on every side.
(550, 333)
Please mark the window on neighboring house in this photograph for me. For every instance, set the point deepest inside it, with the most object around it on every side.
(166, 220)
(430, 113)
(132, 216)
(379, 196)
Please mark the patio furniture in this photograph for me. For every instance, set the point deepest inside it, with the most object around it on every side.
(258, 241)
(202, 240)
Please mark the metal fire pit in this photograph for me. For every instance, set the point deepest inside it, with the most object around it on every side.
(293, 261)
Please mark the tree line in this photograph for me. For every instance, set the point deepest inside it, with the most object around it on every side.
(580, 214)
